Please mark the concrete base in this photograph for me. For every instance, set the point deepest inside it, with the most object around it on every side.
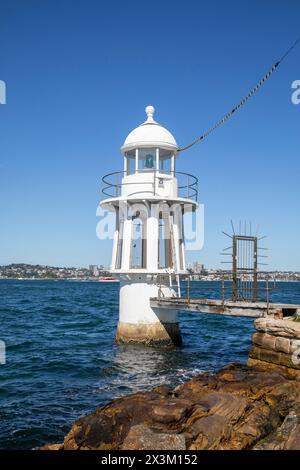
(153, 334)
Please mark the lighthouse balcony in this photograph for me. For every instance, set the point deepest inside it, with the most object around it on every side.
(151, 185)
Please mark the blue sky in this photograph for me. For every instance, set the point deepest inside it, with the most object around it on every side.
(79, 74)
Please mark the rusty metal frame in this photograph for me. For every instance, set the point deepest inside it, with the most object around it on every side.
(244, 261)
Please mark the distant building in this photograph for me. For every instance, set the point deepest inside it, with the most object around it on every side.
(197, 268)
(93, 268)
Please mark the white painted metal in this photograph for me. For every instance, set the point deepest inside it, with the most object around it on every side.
(135, 294)
(150, 134)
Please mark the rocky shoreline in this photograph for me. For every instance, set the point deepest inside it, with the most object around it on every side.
(240, 407)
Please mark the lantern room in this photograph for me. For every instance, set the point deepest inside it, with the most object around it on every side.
(150, 147)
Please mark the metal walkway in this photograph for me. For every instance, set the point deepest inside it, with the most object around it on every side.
(227, 307)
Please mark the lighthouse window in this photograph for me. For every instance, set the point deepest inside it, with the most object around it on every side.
(138, 243)
(165, 159)
(130, 164)
(147, 159)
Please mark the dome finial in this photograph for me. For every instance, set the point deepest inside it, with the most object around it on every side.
(150, 110)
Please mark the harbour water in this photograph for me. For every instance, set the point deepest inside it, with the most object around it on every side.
(62, 361)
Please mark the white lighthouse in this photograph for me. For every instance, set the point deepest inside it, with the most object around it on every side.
(149, 198)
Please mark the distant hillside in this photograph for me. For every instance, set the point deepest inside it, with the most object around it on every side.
(37, 271)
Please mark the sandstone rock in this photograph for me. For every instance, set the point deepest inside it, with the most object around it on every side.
(143, 438)
(257, 338)
(292, 373)
(255, 426)
(240, 407)
(282, 345)
(286, 436)
(260, 324)
(209, 432)
(267, 355)
(269, 341)
(52, 447)
(274, 357)
(295, 345)
(285, 328)
(290, 360)
(172, 412)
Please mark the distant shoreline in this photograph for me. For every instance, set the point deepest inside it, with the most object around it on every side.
(97, 280)
(46, 279)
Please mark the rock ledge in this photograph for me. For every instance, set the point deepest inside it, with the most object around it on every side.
(240, 407)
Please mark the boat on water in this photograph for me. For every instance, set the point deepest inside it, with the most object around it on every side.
(108, 279)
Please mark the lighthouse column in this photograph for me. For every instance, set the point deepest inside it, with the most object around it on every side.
(138, 321)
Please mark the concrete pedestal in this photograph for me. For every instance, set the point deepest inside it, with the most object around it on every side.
(152, 334)
(139, 323)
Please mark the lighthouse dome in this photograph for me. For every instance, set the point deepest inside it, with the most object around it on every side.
(150, 133)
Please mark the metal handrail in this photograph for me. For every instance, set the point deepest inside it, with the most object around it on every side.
(224, 288)
(191, 187)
